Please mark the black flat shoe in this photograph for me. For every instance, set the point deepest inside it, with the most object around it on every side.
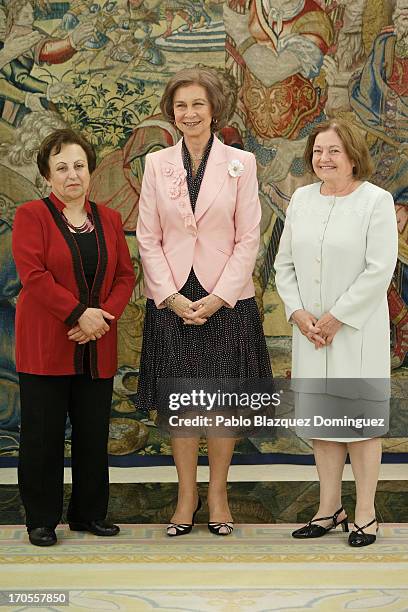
(178, 529)
(317, 531)
(42, 536)
(99, 528)
(359, 538)
(216, 528)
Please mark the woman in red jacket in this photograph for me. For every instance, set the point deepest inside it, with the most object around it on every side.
(77, 277)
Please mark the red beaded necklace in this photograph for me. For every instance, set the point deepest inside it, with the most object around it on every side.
(86, 227)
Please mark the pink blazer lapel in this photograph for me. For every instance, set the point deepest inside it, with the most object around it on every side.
(173, 154)
(214, 178)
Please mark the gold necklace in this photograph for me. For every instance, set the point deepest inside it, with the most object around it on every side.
(195, 162)
(196, 159)
(196, 156)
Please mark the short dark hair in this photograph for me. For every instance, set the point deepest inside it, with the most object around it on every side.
(198, 75)
(51, 145)
(353, 141)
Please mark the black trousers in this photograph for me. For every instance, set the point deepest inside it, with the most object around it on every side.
(45, 403)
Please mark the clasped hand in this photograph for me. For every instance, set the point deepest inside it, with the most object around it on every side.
(91, 325)
(196, 313)
(318, 331)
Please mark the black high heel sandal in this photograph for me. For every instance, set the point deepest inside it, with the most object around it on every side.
(317, 531)
(215, 528)
(359, 538)
(183, 528)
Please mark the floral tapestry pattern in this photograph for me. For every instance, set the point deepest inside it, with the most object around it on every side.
(100, 66)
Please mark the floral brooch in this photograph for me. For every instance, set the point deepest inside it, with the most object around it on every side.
(236, 168)
(178, 192)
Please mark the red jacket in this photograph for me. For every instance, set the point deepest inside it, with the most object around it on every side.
(55, 292)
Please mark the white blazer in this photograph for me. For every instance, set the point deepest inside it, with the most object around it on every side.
(337, 255)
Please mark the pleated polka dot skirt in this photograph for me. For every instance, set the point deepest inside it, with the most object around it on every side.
(230, 345)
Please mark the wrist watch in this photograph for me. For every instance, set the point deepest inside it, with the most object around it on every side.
(169, 301)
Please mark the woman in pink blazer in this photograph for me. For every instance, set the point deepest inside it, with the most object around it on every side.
(198, 237)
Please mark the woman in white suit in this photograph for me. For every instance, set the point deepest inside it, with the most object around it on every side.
(336, 258)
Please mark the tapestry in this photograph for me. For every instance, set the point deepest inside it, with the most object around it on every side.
(100, 66)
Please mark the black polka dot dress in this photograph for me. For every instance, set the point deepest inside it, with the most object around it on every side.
(230, 344)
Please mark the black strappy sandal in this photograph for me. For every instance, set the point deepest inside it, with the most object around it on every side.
(317, 531)
(359, 538)
(182, 528)
(215, 528)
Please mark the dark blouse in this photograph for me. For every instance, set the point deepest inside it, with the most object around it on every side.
(194, 182)
(88, 248)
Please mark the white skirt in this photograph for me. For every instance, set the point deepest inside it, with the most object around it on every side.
(354, 419)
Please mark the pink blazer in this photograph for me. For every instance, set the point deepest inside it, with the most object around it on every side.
(220, 240)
